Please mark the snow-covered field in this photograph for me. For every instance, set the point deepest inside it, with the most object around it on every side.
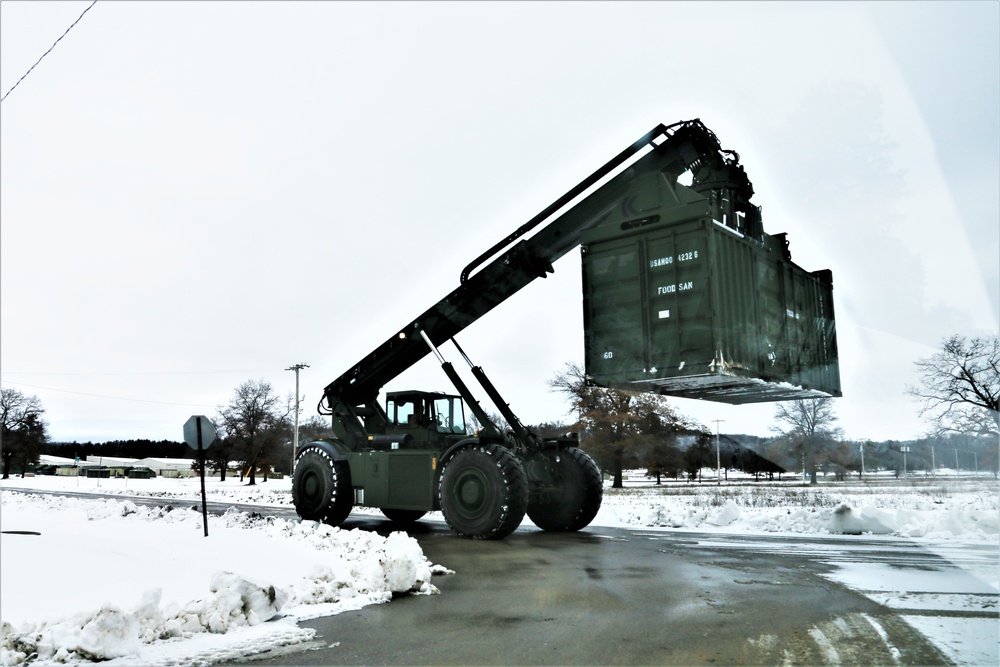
(948, 507)
(87, 580)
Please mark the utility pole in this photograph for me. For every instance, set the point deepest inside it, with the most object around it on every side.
(862, 458)
(718, 457)
(295, 436)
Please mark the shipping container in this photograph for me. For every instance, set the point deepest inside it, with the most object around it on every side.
(695, 308)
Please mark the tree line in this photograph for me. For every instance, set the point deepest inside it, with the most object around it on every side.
(253, 434)
(959, 393)
(126, 449)
(959, 396)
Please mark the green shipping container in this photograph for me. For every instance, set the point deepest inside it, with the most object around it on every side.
(696, 309)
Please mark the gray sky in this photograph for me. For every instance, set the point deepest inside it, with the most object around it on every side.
(198, 194)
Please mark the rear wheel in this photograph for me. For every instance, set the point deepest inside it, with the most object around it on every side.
(484, 492)
(572, 490)
(402, 516)
(321, 487)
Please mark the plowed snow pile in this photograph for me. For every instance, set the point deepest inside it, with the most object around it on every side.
(99, 580)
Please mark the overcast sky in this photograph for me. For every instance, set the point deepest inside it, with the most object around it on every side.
(196, 194)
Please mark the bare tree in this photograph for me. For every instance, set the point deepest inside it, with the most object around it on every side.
(257, 423)
(220, 454)
(807, 431)
(315, 428)
(473, 425)
(621, 427)
(22, 432)
(960, 386)
(806, 418)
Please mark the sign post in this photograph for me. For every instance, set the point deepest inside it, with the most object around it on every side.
(199, 433)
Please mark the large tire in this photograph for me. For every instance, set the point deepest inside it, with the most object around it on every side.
(484, 492)
(579, 489)
(402, 516)
(321, 487)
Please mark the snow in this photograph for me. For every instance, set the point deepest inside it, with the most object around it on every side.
(111, 580)
(933, 512)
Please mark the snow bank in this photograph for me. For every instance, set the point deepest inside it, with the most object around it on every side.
(152, 579)
(969, 515)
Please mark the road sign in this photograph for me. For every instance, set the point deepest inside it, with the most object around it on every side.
(199, 432)
(191, 428)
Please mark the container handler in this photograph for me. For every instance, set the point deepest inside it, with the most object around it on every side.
(647, 231)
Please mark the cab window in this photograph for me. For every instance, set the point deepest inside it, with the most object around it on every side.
(402, 412)
(449, 415)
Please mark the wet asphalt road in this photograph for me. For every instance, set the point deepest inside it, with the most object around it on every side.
(618, 597)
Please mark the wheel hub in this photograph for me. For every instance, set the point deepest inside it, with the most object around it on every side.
(310, 486)
(470, 493)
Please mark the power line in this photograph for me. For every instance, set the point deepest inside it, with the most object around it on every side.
(114, 398)
(126, 373)
(47, 52)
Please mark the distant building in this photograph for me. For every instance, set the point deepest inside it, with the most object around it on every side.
(60, 465)
(165, 467)
(111, 466)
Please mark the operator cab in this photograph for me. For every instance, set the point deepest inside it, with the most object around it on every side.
(436, 412)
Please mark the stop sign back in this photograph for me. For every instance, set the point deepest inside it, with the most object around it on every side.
(195, 424)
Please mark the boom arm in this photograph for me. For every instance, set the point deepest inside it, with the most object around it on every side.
(648, 168)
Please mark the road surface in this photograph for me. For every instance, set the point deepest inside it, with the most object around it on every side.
(608, 596)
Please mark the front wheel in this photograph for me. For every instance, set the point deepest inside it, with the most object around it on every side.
(571, 493)
(484, 492)
(321, 487)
